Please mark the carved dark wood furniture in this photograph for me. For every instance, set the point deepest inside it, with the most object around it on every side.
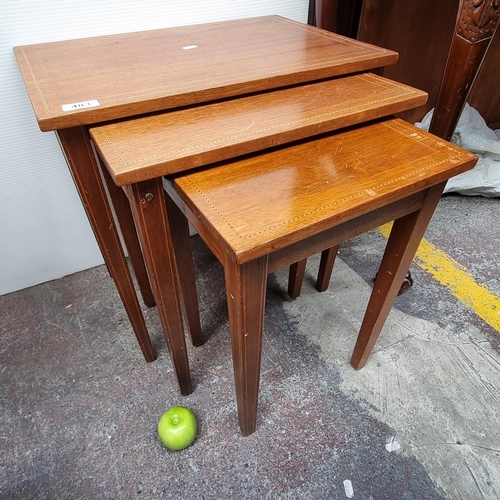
(422, 33)
(475, 28)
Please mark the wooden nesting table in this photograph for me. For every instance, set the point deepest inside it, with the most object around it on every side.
(266, 82)
(77, 83)
(266, 211)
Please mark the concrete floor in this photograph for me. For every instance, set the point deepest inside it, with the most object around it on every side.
(80, 406)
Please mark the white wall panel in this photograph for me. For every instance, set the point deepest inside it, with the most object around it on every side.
(44, 233)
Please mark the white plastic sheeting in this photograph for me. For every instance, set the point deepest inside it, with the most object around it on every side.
(473, 134)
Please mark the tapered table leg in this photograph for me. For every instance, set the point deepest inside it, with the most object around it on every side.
(184, 259)
(246, 292)
(296, 278)
(326, 267)
(150, 214)
(405, 237)
(77, 149)
(125, 220)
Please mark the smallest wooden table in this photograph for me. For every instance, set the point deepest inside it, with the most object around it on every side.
(268, 211)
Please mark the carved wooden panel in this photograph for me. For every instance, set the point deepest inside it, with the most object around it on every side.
(479, 19)
(421, 33)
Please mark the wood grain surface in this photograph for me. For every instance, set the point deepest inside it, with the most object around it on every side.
(144, 148)
(135, 73)
(268, 201)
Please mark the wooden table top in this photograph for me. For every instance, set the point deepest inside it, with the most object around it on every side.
(145, 148)
(274, 199)
(91, 80)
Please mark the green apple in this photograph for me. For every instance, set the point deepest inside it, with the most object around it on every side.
(177, 428)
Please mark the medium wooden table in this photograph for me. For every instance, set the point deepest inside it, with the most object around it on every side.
(263, 211)
(77, 83)
(138, 153)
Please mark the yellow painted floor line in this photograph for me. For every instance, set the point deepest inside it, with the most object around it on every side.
(453, 275)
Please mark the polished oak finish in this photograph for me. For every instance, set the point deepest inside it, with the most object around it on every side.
(153, 146)
(321, 182)
(330, 189)
(147, 148)
(134, 73)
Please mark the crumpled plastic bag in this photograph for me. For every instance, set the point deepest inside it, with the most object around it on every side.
(473, 134)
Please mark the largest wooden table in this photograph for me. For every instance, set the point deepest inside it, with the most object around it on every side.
(77, 83)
